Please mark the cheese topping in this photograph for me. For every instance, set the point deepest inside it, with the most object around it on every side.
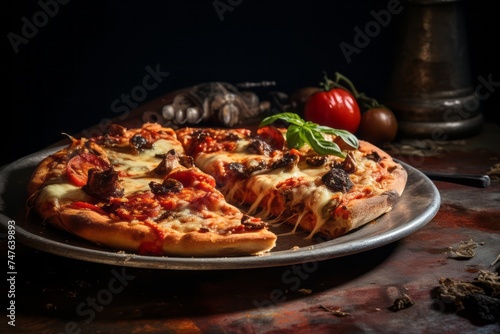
(306, 196)
(277, 184)
(196, 207)
(262, 187)
(62, 192)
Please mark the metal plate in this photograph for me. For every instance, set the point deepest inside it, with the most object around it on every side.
(416, 207)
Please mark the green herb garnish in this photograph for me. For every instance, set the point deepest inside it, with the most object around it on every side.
(302, 132)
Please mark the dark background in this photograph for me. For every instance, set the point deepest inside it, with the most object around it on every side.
(66, 76)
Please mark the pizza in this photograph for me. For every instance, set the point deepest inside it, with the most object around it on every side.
(327, 195)
(135, 190)
(202, 192)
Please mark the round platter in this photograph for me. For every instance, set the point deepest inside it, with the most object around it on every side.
(416, 207)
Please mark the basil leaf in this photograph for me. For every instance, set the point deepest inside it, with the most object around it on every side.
(293, 137)
(349, 139)
(300, 132)
(288, 117)
(319, 144)
(346, 136)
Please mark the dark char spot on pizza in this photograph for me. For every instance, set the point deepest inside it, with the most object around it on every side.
(374, 156)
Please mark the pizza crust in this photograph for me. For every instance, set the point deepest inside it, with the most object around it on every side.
(44, 170)
(124, 235)
(359, 212)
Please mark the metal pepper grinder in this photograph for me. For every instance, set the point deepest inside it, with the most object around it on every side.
(430, 90)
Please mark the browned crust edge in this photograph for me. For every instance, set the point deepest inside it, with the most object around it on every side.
(400, 175)
(123, 235)
(365, 210)
(41, 173)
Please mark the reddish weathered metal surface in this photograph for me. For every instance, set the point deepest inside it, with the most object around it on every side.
(61, 295)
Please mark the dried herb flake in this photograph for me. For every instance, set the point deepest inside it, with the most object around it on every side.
(404, 301)
(338, 312)
(464, 251)
(478, 299)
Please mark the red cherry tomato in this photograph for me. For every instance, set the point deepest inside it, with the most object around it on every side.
(78, 167)
(336, 108)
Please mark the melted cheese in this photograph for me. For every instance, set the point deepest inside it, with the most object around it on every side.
(305, 196)
(137, 168)
(206, 161)
(61, 192)
(147, 160)
(187, 216)
(315, 198)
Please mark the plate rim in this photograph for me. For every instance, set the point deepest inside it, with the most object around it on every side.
(324, 251)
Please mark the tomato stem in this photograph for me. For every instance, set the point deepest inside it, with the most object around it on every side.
(351, 87)
(327, 84)
(343, 82)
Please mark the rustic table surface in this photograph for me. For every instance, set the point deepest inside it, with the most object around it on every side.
(353, 294)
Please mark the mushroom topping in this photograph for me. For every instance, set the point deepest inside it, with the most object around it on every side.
(169, 162)
(337, 180)
(259, 146)
(252, 224)
(139, 143)
(103, 184)
(167, 186)
(288, 161)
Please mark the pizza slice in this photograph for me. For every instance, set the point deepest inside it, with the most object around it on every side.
(137, 190)
(323, 194)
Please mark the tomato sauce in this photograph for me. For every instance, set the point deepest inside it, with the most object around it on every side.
(152, 247)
